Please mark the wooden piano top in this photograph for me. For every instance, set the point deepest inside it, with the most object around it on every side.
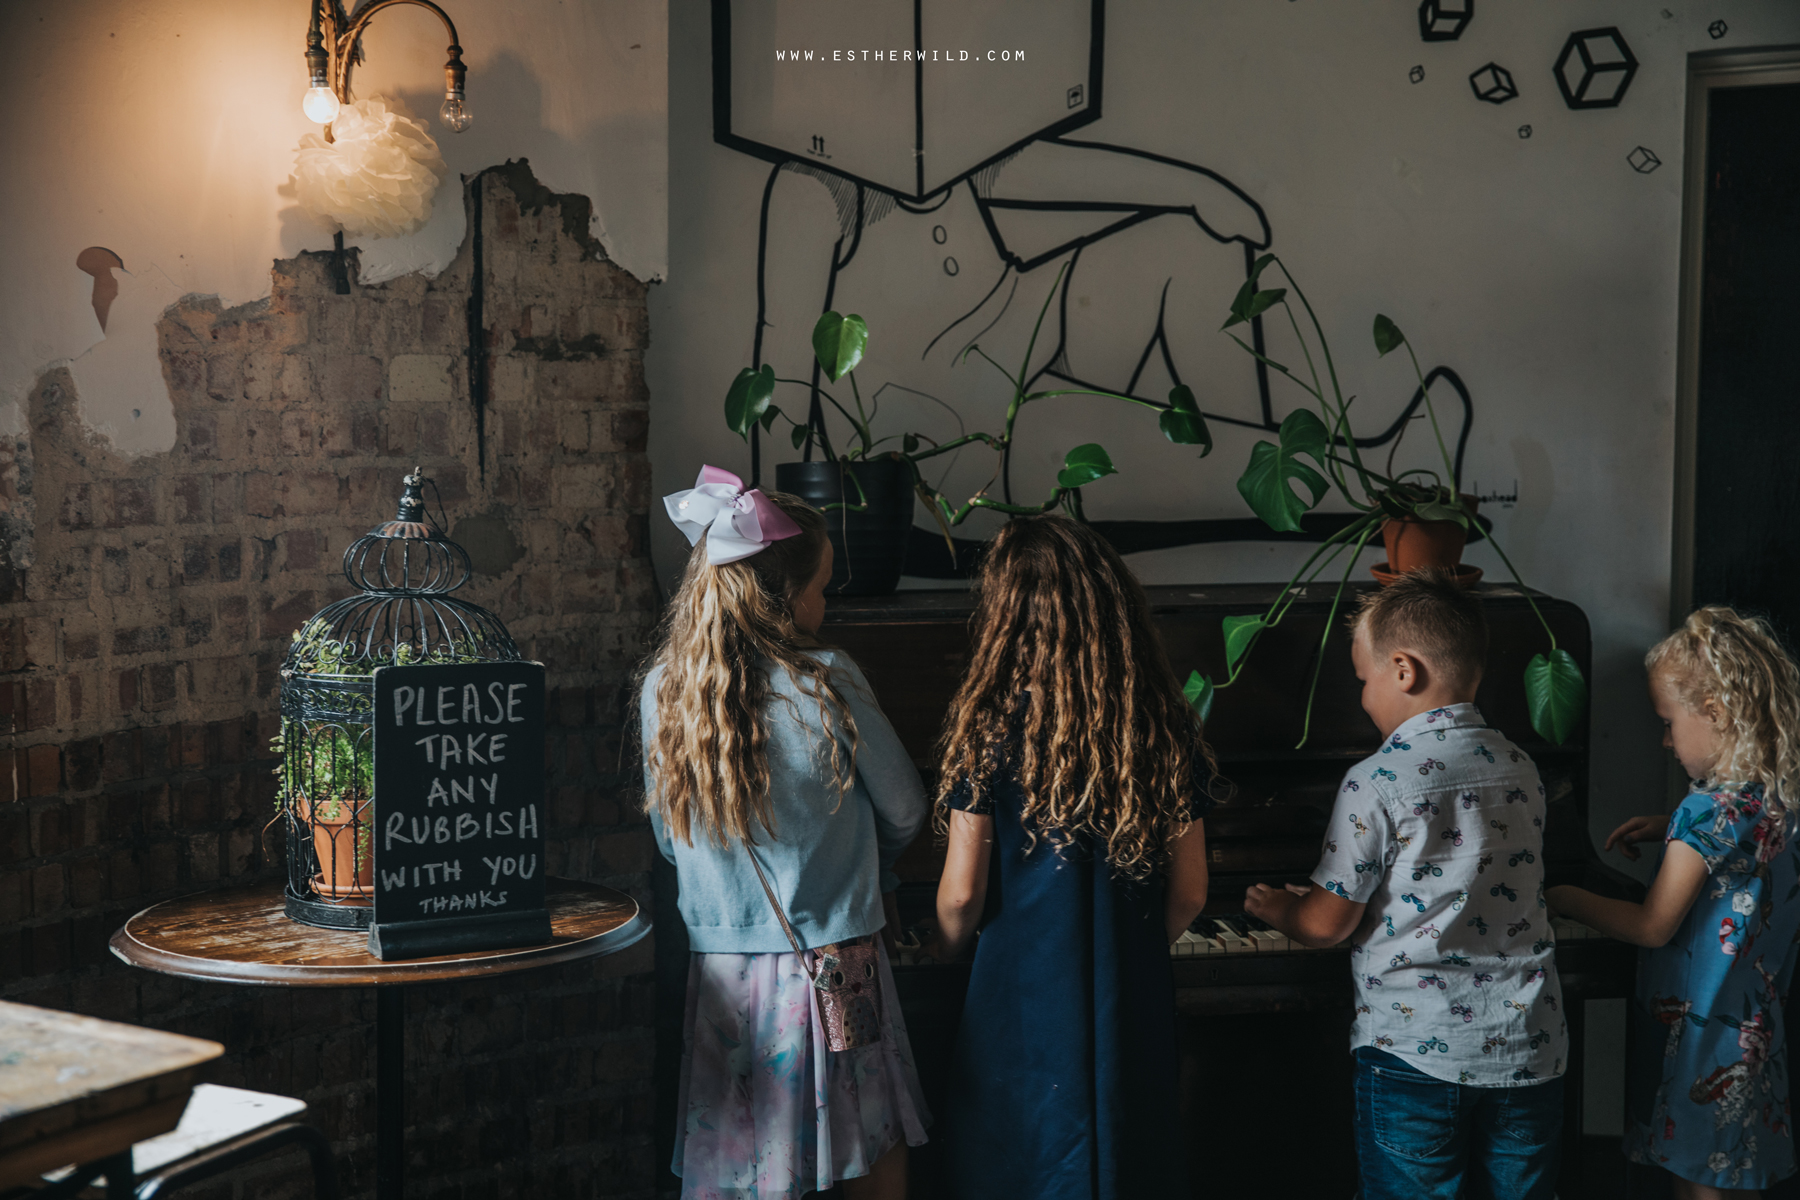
(914, 648)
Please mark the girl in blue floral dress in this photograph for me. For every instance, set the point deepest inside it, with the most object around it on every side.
(1707, 1086)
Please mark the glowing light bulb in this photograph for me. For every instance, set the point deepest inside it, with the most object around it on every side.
(320, 104)
(454, 113)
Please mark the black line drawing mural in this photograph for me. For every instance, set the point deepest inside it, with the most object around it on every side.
(996, 166)
(1444, 20)
(1524, 131)
(1493, 83)
(1417, 74)
(1595, 68)
(1643, 160)
(1717, 30)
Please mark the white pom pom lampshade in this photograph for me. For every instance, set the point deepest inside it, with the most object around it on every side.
(376, 177)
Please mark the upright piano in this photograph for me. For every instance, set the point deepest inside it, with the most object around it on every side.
(1264, 1025)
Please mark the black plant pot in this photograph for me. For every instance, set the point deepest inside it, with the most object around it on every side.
(870, 546)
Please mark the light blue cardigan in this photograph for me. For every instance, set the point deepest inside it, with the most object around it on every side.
(829, 861)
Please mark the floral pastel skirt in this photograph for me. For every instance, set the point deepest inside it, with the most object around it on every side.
(767, 1110)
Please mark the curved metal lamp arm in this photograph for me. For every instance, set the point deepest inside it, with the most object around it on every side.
(345, 42)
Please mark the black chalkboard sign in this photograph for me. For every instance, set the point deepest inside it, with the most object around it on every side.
(459, 809)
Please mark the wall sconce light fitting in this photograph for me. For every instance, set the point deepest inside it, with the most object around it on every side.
(333, 47)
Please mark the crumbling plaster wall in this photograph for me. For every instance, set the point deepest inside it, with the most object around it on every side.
(165, 131)
(145, 605)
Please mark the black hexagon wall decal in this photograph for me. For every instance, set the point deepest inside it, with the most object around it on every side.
(1643, 160)
(1595, 68)
(1494, 83)
(1444, 20)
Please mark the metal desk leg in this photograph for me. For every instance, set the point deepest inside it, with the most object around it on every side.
(121, 1184)
(390, 1092)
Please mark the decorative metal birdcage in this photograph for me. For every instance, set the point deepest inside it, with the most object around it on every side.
(402, 614)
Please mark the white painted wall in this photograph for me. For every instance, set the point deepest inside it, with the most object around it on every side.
(165, 130)
(1542, 269)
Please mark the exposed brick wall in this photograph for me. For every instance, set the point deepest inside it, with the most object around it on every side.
(146, 603)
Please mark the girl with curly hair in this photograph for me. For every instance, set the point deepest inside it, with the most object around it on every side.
(1707, 1084)
(1073, 786)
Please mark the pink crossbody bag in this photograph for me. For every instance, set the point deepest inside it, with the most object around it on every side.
(845, 980)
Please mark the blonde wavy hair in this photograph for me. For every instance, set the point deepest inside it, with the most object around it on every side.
(1065, 661)
(1737, 662)
(725, 629)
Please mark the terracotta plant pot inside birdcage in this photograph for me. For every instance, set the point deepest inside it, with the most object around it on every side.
(345, 850)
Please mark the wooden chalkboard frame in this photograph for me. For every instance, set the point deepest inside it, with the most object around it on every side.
(423, 804)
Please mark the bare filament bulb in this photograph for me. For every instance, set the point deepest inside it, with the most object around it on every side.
(454, 113)
(320, 104)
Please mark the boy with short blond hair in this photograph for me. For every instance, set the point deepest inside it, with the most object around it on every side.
(1432, 865)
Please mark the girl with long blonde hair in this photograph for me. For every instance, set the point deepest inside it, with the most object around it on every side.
(1707, 1087)
(782, 795)
(1073, 790)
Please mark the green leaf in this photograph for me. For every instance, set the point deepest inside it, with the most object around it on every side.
(1387, 335)
(1440, 510)
(749, 396)
(1182, 423)
(839, 342)
(1240, 632)
(1199, 691)
(1252, 303)
(1267, 484)
(1256, 268)
(1555, 694)
(768, 417)
(909, 443)
(1083, 465)
(798, 434)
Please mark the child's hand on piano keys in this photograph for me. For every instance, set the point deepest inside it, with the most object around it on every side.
(1267, 904)
(1637, 829)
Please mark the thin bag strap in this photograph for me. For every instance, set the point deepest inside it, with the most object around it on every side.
(779, 914)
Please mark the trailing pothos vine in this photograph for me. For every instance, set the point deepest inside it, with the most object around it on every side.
(1280, 487)
(840, 342)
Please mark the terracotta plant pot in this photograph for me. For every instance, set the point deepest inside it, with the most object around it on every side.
(345, 876)
(1412, 544)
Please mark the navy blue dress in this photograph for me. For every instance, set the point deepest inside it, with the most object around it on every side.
(1065, 1085)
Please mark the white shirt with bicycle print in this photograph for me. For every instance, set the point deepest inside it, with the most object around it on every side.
(1441, 834)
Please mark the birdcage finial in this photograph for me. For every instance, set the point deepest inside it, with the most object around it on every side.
(409, 522)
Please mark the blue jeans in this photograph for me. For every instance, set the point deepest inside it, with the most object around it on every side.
(1421, 1138)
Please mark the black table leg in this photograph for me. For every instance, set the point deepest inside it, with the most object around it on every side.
(390, 1092)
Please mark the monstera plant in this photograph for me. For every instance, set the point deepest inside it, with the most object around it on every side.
(840, 343)
(1315, 454)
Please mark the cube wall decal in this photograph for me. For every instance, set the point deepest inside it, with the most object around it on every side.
(1444, 20)
(1493, 83)
(907, 96)
(1595, 68)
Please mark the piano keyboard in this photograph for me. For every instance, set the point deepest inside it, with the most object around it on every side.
(1239, 933)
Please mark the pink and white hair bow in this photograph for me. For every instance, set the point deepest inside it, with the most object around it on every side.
(737, 523)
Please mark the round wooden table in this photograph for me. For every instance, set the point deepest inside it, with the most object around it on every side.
(242, 935)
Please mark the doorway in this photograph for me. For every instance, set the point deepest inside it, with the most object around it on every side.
(1737, 489)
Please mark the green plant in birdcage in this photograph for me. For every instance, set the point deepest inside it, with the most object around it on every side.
(335, 766)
